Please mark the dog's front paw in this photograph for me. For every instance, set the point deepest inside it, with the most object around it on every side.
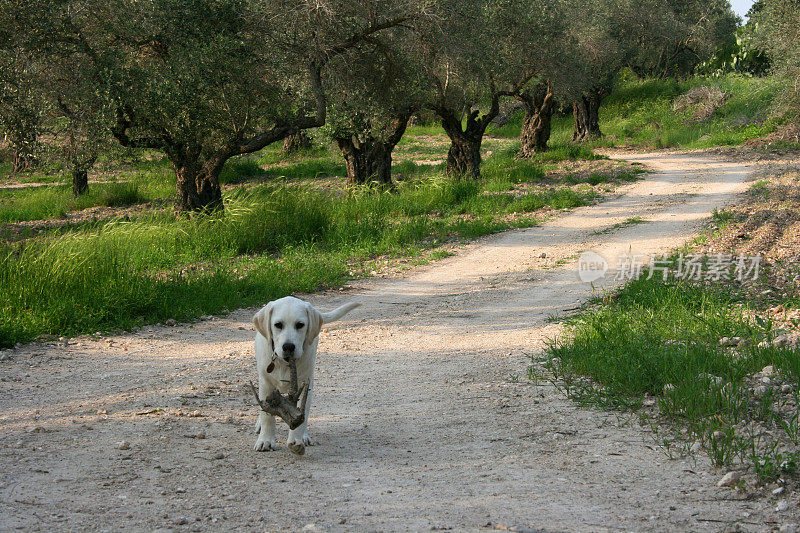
(265, 445)
(297, 448)
(297, 442)
(305, 440)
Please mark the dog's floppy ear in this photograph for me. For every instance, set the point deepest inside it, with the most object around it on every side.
(314, 324)
(261, 322)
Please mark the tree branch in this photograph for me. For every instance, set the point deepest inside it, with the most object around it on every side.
(120, 132)
(399, 125)
(283, 129)
(286, 407)
(358, 37)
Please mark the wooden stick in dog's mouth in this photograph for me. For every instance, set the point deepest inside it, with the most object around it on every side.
(286, 407)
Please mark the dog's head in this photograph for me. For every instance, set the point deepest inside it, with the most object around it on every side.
(290, 326)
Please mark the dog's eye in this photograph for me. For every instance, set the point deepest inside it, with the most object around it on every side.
(278, 325)
(299, 325)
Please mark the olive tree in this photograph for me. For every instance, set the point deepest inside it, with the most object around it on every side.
(652, 37)
(206, 80)
(297, 142)
(671, 37)
(602, 53)
(81, 113)
(22, 109)
(64, 97)
(476, 54)
(81, 134)
(366, 137)
(778, 25)
(558, 79)
(370, 104)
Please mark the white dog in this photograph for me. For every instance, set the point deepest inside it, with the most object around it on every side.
(288, 329)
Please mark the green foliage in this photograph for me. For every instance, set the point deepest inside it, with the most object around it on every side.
(741, 55)
(777, 22)
(664, 38)
(641, 113)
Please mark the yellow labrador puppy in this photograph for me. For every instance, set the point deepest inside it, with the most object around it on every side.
(288, 329)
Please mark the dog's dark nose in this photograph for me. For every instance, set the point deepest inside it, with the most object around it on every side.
(288, 350)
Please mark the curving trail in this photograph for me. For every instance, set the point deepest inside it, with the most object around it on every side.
(420, 420)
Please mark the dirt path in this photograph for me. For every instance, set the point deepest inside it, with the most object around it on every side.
(422, 414)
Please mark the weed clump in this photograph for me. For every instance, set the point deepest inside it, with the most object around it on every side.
(701, 101)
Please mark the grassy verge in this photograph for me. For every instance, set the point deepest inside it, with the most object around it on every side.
(272, 240)
(656, 346)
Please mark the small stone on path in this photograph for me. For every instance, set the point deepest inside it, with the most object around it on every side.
(729, 480)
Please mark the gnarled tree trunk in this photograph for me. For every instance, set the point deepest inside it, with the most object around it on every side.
(198, 185)
(587, 116)
(197, 176)
(296, 142)
(536, 124)
(464, 155)
(80, 181)
(198, 188)
(368, 160)
(80, 175)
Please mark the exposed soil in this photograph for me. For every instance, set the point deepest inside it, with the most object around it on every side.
(765, 221)
(422, 414)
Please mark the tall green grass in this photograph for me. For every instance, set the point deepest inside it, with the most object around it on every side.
(240, 170)
(155, 181)
(271, 240)
(321, 161)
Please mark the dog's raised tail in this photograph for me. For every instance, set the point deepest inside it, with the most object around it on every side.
(339, 312)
